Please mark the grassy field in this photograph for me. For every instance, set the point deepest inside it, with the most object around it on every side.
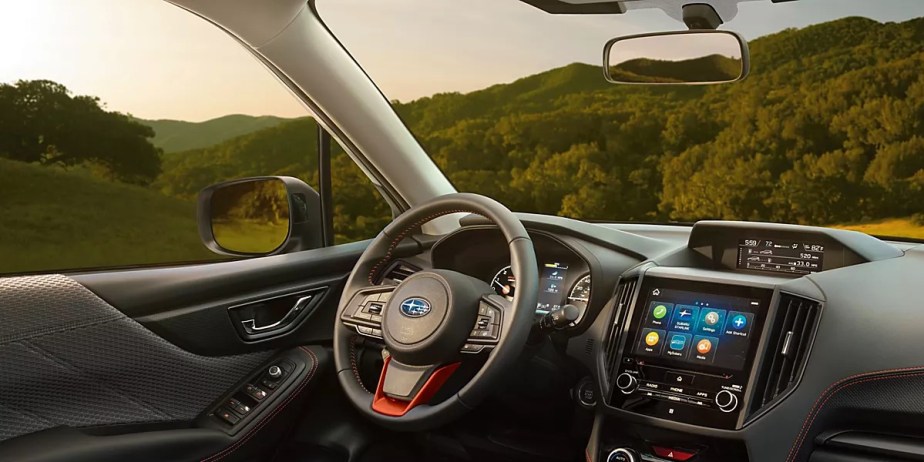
(893, 227)
(50, 219)
(250, 236)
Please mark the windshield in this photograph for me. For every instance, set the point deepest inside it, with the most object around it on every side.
(511, 102)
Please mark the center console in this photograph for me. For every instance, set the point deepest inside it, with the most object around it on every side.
(688, 351)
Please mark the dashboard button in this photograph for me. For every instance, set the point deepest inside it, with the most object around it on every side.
(585, 393)
(726, 401)
(623, 455)
(651, 385)
(673, 454)
(677, 378)
(627, 383)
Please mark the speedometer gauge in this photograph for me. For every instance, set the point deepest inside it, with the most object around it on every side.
(580, 296)
(580, 292)
(505, 283)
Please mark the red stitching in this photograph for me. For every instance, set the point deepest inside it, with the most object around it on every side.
(403, 234)
(234, 447)
(353, 363)
(838, 387)
(587, 455)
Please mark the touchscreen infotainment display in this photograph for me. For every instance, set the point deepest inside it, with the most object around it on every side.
(701, 329)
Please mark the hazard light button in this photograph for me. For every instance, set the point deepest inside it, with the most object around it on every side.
(673, 454)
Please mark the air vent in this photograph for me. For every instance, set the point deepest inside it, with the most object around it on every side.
(790, 339)
(624, 292)
(399, 271)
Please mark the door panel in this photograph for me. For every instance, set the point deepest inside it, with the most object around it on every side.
(69, 358)
(188, 305)
(107, 363)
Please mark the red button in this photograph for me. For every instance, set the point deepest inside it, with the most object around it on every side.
(673, 454)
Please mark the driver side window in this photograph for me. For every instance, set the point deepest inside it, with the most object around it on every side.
(105, 144)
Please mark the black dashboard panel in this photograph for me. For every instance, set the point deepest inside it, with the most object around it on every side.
(835, 352)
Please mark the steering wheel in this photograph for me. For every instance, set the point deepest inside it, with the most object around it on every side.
(432, 321)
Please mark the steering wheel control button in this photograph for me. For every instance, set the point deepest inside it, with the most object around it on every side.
(255, 392)
(726, 401)
(626, 383)
(673, 454)
(364, 330)
(623, 455)
(472, 348)
(487, 326)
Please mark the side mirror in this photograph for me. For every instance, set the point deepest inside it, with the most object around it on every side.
(695, 57)
(260, 216)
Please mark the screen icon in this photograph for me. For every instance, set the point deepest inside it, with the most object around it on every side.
(659, 313)
(684, 318)
(704, 346)
(739, 323)
(651, 341)
(704, 349)
(678, 345)
(711, 320)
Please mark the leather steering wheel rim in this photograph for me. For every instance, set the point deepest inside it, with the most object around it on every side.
(514, 330)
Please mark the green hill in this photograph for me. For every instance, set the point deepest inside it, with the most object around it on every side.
(825, 130)
(57, 219)
(176, 135)
(713, 68)
(286, 149)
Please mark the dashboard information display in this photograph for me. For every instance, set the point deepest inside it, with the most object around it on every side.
(550, 287)
(780, 256)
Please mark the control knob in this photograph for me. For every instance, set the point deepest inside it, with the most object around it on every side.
(626, 383)
(274, 372)
(623, 455)
(726, 401)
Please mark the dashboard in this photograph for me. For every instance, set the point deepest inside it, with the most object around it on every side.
(564, 273)
(726, 341)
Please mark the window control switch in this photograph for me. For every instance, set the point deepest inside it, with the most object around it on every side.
(255, 392)
(228, 416)
(238, 407)
(269, 384)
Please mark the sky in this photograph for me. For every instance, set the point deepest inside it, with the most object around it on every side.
(155, 61)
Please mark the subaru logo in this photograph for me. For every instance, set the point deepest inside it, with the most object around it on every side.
(415, 307)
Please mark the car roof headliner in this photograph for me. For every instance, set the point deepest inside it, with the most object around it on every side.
(727, 9)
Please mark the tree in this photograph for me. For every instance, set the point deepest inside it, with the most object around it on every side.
(40, 121)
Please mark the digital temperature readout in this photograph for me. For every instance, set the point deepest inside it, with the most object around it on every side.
(780, 256)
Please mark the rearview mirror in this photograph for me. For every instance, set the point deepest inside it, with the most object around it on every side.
(260, 216)
(695, 57)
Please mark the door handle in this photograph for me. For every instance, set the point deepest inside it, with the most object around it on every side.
(274, 316)
(250, 325)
